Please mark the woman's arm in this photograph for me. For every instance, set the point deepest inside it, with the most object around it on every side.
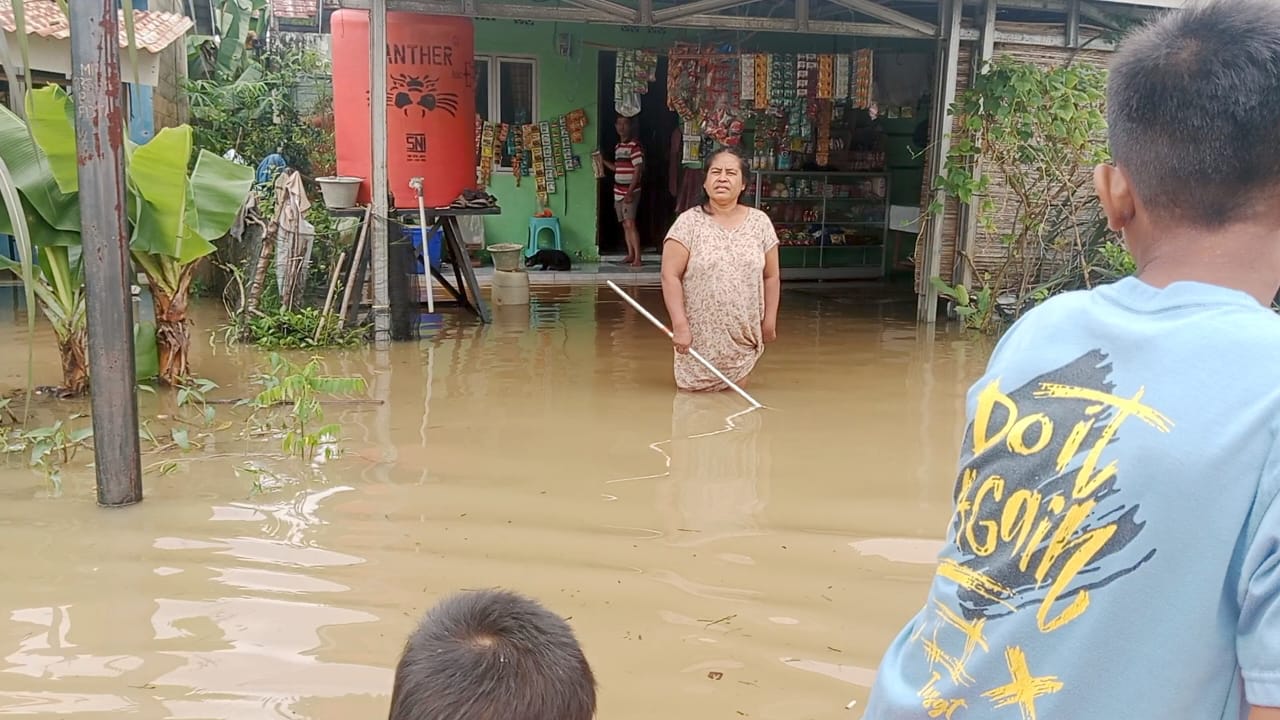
(1261, 713)
(772, 294)
(675, 258)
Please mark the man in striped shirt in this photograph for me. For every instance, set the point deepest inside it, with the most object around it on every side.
(627, 168)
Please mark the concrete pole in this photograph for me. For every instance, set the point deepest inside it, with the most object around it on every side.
(379, 182)
(95, 74)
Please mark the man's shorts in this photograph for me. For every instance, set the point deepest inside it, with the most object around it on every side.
(626, 210)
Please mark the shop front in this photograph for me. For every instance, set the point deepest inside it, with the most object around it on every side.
(842, 106)
(833, 127)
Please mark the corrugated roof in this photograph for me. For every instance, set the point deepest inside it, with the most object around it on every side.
(154, 31)
(295, 9)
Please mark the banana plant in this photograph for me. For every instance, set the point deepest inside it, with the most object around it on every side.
(174, 216)
(47, 223)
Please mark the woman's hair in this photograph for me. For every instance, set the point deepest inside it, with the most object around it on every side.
(705, 203)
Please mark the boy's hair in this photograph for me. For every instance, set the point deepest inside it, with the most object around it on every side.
(492, 655)
(1193, 108)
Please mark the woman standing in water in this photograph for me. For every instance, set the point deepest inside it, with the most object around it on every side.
(720, 279)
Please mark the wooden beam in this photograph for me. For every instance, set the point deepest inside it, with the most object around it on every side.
(969, 212)
(697, 7)
(948, 72)
(1166, 4)
(802, 15)
(493, 9)
(988, 34)
(608, 7)
(1073, 23)
(490, 9)
(646, 13)
(789, 25)
(889, 15)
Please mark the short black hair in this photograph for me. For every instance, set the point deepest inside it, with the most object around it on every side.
(744, 167)
(1193, 109)
(493, 655)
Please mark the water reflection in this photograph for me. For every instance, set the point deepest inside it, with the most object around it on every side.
(717, 482)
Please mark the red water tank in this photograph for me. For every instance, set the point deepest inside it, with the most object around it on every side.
(431, 103)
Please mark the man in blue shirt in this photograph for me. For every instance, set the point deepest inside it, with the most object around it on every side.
(1115, 548)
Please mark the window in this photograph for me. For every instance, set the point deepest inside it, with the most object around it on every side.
(507, 92)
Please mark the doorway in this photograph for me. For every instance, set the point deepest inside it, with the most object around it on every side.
(654, 127)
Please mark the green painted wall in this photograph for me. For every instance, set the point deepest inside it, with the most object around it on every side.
(565, 84)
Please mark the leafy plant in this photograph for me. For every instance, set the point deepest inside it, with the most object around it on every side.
(975, 309)
(1040, 131)
(308, 328)
(192, 395)
(50, 447)
(174, 216)
(254, 110)
(48, 223)
(302, 427)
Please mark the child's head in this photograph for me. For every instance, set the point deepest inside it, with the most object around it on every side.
(1193, 109)
(491, 655)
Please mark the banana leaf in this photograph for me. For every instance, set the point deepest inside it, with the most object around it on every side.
(51, 117)
(219, 188)
(33, 176)
(157, 173)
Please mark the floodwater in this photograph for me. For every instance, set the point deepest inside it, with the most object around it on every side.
(713, 566)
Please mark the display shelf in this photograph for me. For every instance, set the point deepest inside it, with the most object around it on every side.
(823, 233)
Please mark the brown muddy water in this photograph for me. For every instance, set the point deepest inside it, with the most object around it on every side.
(754, 567)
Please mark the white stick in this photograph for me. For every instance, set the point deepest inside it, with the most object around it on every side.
(416, 184)
(658, 324)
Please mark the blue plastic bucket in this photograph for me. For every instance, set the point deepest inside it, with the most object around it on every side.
(434, 247)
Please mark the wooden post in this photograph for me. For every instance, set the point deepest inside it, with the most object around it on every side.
(379, 182)
(95, 68)
(948, 67)
(969, 213)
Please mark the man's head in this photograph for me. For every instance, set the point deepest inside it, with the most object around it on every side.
(623, 126)
(1193, 109)
(491, 655)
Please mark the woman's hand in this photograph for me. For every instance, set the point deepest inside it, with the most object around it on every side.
(769, 332)
(682, 338)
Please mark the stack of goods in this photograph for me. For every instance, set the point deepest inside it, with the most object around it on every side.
(793, 102)
(635, 70)
(683, 80)
(577, 123)
(486, 151)
(543, 151)
(863, 79)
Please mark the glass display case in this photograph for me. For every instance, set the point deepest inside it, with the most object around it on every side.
(831, 226)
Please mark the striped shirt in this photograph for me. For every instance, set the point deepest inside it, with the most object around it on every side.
(626, 158)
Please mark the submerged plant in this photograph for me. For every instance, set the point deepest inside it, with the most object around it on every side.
(173, 215)
(50, 448)
(300, 389)
(47, 224)
(306, 328)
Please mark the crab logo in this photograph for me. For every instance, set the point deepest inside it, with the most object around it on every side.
(423, 93)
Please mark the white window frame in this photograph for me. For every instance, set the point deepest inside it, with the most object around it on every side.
(495, 92)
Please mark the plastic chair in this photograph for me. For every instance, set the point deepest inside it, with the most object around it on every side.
(537, 226)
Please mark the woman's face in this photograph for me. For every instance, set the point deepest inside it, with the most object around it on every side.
(725, 182)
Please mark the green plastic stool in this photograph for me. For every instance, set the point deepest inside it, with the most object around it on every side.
(537, 226)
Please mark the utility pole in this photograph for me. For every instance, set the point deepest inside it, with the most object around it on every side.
(378, 183)
(95, 75)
